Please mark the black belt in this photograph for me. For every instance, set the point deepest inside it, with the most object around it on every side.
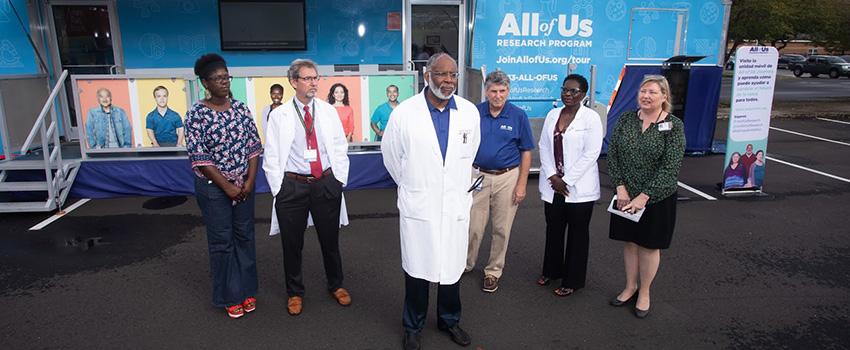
(494, 171)
(308, 178)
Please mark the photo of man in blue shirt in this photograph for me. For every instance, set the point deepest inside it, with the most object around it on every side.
(381, 116)
(164, 126)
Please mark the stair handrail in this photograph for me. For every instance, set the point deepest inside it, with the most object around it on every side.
(44, 110)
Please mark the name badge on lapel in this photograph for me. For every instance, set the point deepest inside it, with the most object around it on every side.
(311, 155)
(464, 135)
(665, 126)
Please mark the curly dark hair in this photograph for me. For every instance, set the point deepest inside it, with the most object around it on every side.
(206, 64)
(331, 98)
(581, 80)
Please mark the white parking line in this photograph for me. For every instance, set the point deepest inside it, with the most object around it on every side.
(833, 120)
(808, 169)
(56, 216)
(694, 190)
(810, 136)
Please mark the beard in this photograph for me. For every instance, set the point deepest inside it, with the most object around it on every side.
(437, 92)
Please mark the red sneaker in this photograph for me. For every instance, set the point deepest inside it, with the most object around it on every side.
(249, 304)
(235, 311)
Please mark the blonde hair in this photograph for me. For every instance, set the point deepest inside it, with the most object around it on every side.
(667, 105)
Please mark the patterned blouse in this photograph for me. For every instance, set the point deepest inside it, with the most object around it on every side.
(646, 162)
(226, 140)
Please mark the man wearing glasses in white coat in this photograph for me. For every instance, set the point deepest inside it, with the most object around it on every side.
(428, 149)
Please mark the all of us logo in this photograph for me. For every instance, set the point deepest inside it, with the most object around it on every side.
(530, 25)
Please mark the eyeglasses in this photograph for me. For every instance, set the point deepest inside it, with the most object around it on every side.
(452, 75)
(312, 79)
(221, 79)
(573, 91)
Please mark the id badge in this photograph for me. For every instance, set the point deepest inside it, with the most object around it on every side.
(311, 155)
(665, 126)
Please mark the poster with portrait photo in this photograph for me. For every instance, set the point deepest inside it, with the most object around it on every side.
(348, 103)
(104, 114)
(161, 106)
(378, 104)
(260, 88)
(744, 165)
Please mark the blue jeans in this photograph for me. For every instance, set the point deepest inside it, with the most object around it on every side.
(230, 238)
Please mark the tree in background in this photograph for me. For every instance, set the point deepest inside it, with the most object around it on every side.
(776, 22)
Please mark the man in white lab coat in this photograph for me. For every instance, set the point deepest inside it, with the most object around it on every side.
(428, 148)
(306, 164)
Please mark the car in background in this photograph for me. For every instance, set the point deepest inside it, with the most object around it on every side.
(788, 61)
(821, 64)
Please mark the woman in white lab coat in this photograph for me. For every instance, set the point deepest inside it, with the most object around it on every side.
(570, 143)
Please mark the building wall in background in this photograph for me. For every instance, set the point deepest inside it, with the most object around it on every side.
(173, 34)
(16, 53)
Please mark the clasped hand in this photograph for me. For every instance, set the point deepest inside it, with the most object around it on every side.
(628, 204)
(559, 185)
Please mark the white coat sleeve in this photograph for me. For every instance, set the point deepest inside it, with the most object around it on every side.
(340, 151)
(392, 147)
(272, 154)
(590, 153)
(547, 158)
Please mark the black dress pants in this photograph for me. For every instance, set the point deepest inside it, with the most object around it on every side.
(416, 304)
(570, 267)
(293, 202)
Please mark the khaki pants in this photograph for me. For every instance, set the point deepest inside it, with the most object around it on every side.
(495, 200)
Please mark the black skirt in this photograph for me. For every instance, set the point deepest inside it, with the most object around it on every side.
(653, 231)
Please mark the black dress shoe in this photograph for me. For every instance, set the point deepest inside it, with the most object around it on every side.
(458, 335)
(618, 302)
(411, 341)
(641, 313)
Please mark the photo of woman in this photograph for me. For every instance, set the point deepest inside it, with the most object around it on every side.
(755, 177)
(338, 97)
(735, 173)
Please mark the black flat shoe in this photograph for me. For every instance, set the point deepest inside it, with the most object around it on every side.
(618, 302)
(459, 336)
(641, 313)
(411, 341)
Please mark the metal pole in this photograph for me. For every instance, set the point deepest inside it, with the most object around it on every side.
(483, 79)
(592, 93)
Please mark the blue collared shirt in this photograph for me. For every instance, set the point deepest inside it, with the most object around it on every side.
(503, 138)
(164, 126)
(441, 122)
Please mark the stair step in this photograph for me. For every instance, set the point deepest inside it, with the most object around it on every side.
(17, 207)
(23, 186)
(23, 165)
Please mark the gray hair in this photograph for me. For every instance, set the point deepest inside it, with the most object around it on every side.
(497, 77)
(433, 60)
(296, 66)
(667, 105)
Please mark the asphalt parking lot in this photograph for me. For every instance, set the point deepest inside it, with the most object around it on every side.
(765, 272)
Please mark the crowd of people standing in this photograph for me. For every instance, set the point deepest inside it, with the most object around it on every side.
(457, 165)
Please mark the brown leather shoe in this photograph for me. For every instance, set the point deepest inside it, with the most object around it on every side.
(342, 297)
(293, 305)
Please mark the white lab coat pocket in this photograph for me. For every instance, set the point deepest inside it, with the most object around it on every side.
(412, 204)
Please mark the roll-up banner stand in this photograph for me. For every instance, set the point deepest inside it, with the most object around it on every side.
(749, 121)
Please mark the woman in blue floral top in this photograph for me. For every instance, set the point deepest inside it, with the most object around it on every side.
(224, 146)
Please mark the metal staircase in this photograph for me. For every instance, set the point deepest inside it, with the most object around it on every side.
(16, 175)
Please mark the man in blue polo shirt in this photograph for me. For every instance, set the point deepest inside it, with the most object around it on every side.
(164, 126)
(503, 158)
